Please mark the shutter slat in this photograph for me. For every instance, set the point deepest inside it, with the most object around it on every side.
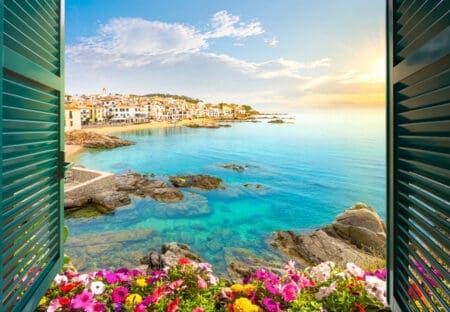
(432, 98)
(429, 113)
(421, 17)
(22, 172)
(435, 82)
(12, 151)
(31, 184)
(429, 185)
(435, 127)
(441, 175)
(437, 143)
(429, 157)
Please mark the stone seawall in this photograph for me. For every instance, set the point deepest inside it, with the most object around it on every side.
(82, 182)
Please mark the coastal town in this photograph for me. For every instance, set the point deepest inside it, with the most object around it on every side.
(112, 109)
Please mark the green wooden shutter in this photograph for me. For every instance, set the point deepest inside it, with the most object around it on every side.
(419, 154)
(32, 83)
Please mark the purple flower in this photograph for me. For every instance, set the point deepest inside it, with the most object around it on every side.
(271, 305)
(83, 300)
(289, 292)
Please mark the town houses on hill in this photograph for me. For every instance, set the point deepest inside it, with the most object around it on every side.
(101, 109)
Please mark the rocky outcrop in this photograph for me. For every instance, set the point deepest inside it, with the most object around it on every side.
(201, 181)
(94, 140)
(357, 235)
(276, 121)
(211, 125)
(139, 185)
(168, 256)
(235, 167)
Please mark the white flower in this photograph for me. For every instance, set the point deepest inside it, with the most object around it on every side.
(205, 266)
(376, 287)
(97, 287)
(322, 271)
(326, 291)
(355, 270)
(60, 279)
(84, 278)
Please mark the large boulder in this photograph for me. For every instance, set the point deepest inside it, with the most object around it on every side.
(169, 255)
(94, 140)
(139, 185)
(111, 199)
(358, 235)
(201, 181)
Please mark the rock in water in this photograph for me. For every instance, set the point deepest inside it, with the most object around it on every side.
(94, 140)
(358, 235)
(234, 167)
(201, 181)
(169, 256)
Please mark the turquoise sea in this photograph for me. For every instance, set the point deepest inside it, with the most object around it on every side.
(310, 170)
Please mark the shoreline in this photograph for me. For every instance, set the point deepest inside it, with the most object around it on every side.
(72, 151)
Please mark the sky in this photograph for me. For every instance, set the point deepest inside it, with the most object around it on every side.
(287, 55)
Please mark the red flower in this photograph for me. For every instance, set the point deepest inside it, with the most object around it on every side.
(64, 301)
(157, 294)
(68, 287)
(173, 305)
(184, 261)
(360, 307)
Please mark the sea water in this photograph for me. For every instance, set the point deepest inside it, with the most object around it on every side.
(308, 169)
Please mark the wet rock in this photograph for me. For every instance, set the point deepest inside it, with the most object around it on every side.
(201, 181)
(276, 121)
(169, 255)
(139, 185)
(358, 235)
(192, 205)
(78, 201)
(111, 200)
(94, 140)
(234, 167)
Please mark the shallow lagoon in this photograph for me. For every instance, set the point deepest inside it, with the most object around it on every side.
(310, 171)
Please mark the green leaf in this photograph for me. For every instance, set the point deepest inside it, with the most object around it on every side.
(66, 233)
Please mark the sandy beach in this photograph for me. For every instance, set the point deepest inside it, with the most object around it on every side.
(73, 150)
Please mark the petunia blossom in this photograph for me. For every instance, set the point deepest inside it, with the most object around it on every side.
(271, 305)
(326, 291)
(119, 294)
(83, 300)
(173, 305)
(289, 292)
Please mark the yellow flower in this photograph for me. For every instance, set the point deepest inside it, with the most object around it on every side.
(237, 288)
(43, 301)
(245, 305)
(248, 288)
(141, 282)
(132, 300)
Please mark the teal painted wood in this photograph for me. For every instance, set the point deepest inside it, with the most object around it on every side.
(418, 154)
(32, 141)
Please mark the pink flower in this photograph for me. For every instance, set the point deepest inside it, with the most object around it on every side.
(201, 282)
(355, 270)
(271, 288)
(111, 278)
(83, 300)
(140, 308)
(173, 305)
(213, 280)
(289, 292)
(305, 282)
(271, 305)
(96, 307)
(157, 294)
(54, 305)
(174, 285)
(197, 309)
(119, 294)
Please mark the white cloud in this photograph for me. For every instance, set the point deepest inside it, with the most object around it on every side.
(272, 41)
(226, 25)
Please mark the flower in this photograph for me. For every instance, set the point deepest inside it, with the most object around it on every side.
(271, 305)
(355, 270)
(322, 271)
(119, 294)
(213, 280)
(69, 286)
(96, 307)
(174, 285)
(54, 305)
(273, 289)
(184, 261)
(141, 282)
(198, 309)
(60, 279)
(64, 301)
(132, 300)
(97, 288)
(83, 300)
(248, 289)
(326, 291)
(173, 305)
(237, 288)
(201, 282)
(244, 305)
(205, 267)
(157, 294)
(360, 307)
(111, 278)
(43, 301)
(289, 292)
